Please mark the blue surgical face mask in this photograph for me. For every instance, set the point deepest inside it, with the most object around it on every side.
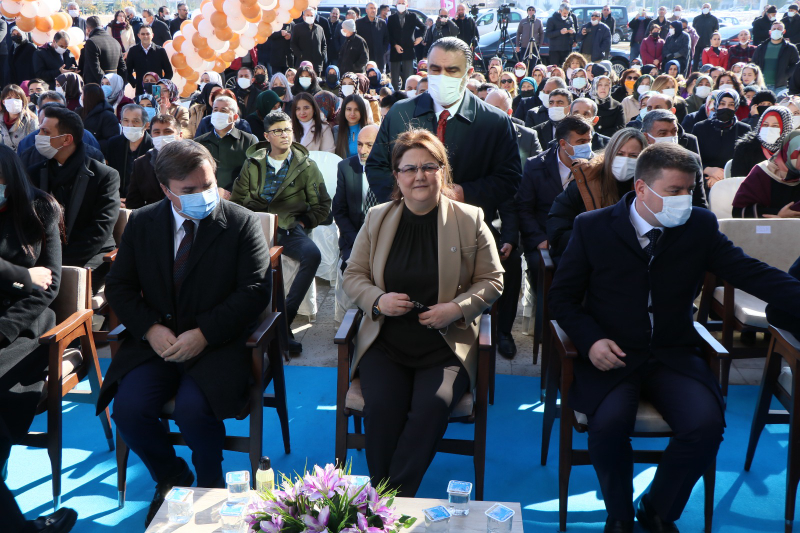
(582, 151)
(675, 210)
(198, 205)
(150, 112)
(107, 90)
(3, 195)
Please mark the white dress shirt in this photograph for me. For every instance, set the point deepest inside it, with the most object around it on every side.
(179, 231)
(641, 227)
(564, 171)
(453, 108)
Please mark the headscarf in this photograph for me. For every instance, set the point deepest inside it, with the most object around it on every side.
(213, 77)
(305, 64)
(678, 27)
(156, 76)
(174, 93)
(205, 95)
(782, 166)
(599, 70)
(354, 79)
(528, 79)
(593, 91)
(338, 75)
(636, 85)
(146, 96)
(293, 71)
(72, 85)
(422, 64)
(265, 101)
(326, 101)
(647, 69)
(726, 93)
(741, 65)
(374, 83)
(673, 62)
(579, 93)
(117, 88)
(519, 65)
(363, 83)
(784, 116)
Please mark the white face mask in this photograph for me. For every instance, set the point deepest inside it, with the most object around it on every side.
(162, 140)
(401, 8)
(672, 140)
(668, 92)
(309, 20)
(13, 106)
(132, 133)
(42, 143)
(643, 89)
(594, 22)
(58, 49)
(556, 114)
(771, 17)
(770, 135)
(445, 90)
(345, 33)
(706, 11)
(726, 86)
(519, 73)
(702, 91)
(305, 83)
(795, 121)
(791, 13)
(569, 72)
(675, 210)
(60, 90)
(671, 32)
(220, 121)
(642, 113)
(244, 83)
(776, 35)
(545, 98)
(623, 168)
(347, 90)
(579, 83)
(73, 13)
(677, 13)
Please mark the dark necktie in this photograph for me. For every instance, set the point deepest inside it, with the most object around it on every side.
(653, 235)
(370, 201)
(442, 126)
(181, 264)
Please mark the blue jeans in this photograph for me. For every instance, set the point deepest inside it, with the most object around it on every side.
(635, 50)
(299, 246)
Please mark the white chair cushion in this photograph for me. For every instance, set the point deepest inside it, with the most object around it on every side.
(308, 306)
(72, 359)
(99, 299)
(785, 379)
(747, 309)
(355, 401)
(648, 419)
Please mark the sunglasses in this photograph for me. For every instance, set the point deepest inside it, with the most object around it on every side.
(506, 81)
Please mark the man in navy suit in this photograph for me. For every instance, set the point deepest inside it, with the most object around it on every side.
(623, 292)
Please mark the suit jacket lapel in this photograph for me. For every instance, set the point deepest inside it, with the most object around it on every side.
(76, 199)
(670, 236)
(385, 237)
(449, 251)
(353, 186)
(621, 223)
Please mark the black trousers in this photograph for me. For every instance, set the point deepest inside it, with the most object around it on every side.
(512, 284)
(405, 415)
(13, 519)
(695, 416)
(557, 57)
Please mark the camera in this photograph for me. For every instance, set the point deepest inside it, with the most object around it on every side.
(473, 9)
(504, 13)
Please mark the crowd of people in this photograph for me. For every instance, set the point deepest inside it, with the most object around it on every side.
(443, 169)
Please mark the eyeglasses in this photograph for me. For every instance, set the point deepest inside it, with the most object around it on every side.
(632, 78)
(429, 169)
(281, 133)
(506, 80)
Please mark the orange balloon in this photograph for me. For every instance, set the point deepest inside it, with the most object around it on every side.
(58, 22)
(225, 34)
(44, 24)
(249, 2)
(188, 89)
(194, 76)
(185, 72)
(251, 11)
(179, 61)
(264, 28)
(228, 56)
(219, 20)
(196, 21)
(206, 53)
(218, 4)
(260, 39)
(198, 41)
(295, 13)
(269, 16)
(256, 19)
(25, 24)
(6, 14)
(76, 53)
(234, 41)
(302, 5)
(177, 42)
(184, 24)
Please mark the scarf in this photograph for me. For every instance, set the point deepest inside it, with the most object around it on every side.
(725, 93)
(265, 101)
(72, 85)
(116, 30)
(327, 103)
(785, 118)
(593, 91)
(786, 158)
(308, 132)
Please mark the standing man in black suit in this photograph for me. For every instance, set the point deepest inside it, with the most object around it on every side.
(467, 31)
(405, 32)
(280, 52)
(183, 14)
(101, 54)
(160, 30)
(309, 42)
(320, 21)
(186, 336)
(640, 340)
(353, 197)
(54, 59)
(5, 50)
(375, 31)
(146, 57)
(74, 11)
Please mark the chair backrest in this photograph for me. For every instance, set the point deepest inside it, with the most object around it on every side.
(269, 223)
(727, 170)
(74, 294)
(773, 241)
(326, 162)
(119, 227)
(720, 196)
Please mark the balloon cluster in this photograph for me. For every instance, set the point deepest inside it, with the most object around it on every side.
(42, 19)
(224, 30)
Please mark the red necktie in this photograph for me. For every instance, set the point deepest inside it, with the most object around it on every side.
(442, 126)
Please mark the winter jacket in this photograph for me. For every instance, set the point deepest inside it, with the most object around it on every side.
(787, 61)
(651, 50)
(712, 58)
(28, 122)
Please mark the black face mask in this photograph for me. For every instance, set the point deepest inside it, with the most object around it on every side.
(332, 80)
(760, 109)
(527, 94)
(259, 79)
(34, 98)
(17, 39)
(725, 115)
(280, 91)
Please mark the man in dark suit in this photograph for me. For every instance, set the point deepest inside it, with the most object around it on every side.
(101, 54)
(163, 15)
(641, 340)
(160, 30)
(5, 50)
(320, 21)
(53, 59)
(88, 190)
(587, 108)
(527, 140)
(405, 32)
(354, 50)
(144, 188)
(280, 53)
(146, 57)
(186, 336)
(467, 31)
(74, 11)
(353, 197)
(375, 31)
(559, 101)
(309, 42)
(183, 14)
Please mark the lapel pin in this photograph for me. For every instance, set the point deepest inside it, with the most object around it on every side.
(453, 249)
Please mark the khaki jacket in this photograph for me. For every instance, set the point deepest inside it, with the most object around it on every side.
(466, 246)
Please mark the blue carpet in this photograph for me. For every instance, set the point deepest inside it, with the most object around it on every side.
(745, 501)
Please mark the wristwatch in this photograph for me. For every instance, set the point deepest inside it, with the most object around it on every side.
(376, 309)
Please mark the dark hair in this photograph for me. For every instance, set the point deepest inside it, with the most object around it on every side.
(93, 96)
(357, 11)
(342, 141)
(93, 22)
(145, 27)
(314, 88)
(52, 95)
(737, 84)
(248, 69)
(165, 118)
(570, 124)
(660, 156)
(393, 98)
(68, 122)
(40, 81)
(382, 7)
(181, 4)
(30, 209)
(114, 20)
(419, 138)
(178, 159)
(560, 92)
(149, 13)
(60, 35)
(453, 44)
(485, 87)
(162, 9)
(296, 126)
(273, 117)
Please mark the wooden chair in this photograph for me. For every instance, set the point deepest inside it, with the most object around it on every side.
(551, 366)
(782, 384)
(773, 241)
(67, 366)
(649, 423)
(720, 199)
(471, 408)
(99, 303)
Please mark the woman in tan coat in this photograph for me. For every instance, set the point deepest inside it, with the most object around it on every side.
(423, 268)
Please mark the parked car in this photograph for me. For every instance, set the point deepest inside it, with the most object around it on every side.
(730, 35)
(487, 20)
(620, 14)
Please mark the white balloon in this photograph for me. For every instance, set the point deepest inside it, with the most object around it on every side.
(55, 5)
(232, 8)
(194, 61)
(29, 9)
(179, 81)
(248, 43)
(268, 4)
(169, 48)
(283, 17)
(195, 13)
(11, 7)
(214, 43)
(208, 65)
(206, 29)
(237, 24)
(241, 52)
(208, 10)
(76, 35)
(313, 3)
(251, 30)
(189, 31)
(40, 37)
(44, 9)
(276, 26)
(226, 45)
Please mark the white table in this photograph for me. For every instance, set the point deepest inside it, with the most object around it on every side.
(207, 503)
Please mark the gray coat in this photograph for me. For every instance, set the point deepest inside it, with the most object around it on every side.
(524, 31)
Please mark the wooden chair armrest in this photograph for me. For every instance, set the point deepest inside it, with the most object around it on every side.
(787, 338)
(545, 261)
(711, 345)
(268, 324)
(117, 334)
(110, 256)
(485, 333)
(563, 343)
(66, 327)
(275, 256)
(349, 327)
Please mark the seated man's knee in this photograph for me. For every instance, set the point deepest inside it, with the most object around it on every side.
(706, 426)
(130, 409)
(311, 252)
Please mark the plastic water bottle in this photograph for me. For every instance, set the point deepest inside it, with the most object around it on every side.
(265, 476)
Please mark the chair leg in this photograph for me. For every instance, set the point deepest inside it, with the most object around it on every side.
(709, 484)
(279, 382)
(95, 383)
(479, 457)
(538, 320)
(550, 405)
(122, 469)
(546, 360)
(564, 471)
(793, 461)
(725, 372)
(54, 443)
(340, 440)
(772, 369)
(492, 375)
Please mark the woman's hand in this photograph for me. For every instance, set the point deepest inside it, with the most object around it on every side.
(41, 277)
(785, 212)
(441, 315)
(395, 304)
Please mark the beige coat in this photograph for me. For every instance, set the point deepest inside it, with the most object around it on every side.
(466, 246)
(324, 143)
